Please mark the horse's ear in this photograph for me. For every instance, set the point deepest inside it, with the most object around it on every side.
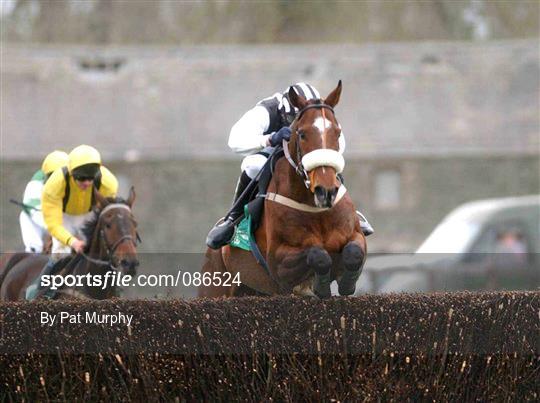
(333, 98)
(298, 101)
(131, 197)
(101, 201)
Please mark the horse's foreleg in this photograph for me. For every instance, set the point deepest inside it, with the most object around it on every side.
(320, 261)
(294, 264)
(353, 257)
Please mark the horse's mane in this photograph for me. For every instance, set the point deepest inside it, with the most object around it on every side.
(90, 225)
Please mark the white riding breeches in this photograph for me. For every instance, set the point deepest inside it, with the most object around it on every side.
(33, 234)
(74, 224)
(252, 164)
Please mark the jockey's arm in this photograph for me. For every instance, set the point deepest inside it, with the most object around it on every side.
(51, 204)
(109, 183)
(248, 134)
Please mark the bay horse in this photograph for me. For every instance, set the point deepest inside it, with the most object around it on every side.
(112, 242)
(309, 234)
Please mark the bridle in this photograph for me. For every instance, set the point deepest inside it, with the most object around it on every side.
(110, 249)
(299, 167)
(72, 292)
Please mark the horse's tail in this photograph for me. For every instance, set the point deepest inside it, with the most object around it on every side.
(8, 261)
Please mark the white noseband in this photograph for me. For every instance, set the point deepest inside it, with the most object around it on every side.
(323, 157)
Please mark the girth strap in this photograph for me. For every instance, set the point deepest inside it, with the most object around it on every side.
(302, 206)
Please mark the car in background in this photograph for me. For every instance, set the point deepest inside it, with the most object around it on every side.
(488, 244)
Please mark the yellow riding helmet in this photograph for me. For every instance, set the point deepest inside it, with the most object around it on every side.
(53, 161)
(83, 155)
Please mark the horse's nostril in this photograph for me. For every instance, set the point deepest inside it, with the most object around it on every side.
(130, 266)
(325, 197)
(320, 191)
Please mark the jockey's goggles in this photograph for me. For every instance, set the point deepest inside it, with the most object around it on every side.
(85, 172)
(83, 178)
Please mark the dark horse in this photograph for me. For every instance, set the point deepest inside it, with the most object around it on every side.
(112, 243)
(309, 234)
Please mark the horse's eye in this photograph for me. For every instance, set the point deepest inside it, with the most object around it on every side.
(108, 225)
(302, 135)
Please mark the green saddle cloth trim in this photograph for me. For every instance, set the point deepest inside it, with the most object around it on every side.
(242, 233)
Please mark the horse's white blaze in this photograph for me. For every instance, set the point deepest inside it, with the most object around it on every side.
(322, 124)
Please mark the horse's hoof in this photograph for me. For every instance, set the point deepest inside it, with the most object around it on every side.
(321, 286)
(347, 282)
(323, 295)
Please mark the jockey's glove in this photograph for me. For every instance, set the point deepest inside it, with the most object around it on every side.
(282, 134)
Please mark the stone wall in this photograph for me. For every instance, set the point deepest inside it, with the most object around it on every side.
(148, 103)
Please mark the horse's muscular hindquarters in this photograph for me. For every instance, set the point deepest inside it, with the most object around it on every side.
(353, 257)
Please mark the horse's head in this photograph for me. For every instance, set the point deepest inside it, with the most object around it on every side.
(117, 231)
(314, 145)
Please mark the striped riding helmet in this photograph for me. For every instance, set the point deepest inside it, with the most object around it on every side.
(288, 112)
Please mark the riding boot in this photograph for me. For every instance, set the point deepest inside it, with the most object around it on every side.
(365, 226)
(34, 288)
(223, 231)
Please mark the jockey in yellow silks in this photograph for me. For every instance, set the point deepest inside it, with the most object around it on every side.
(68, 197)
(67, 201)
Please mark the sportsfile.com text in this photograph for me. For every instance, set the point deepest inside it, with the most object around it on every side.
(117, 279)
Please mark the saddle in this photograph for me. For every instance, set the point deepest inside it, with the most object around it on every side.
(244, 237)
